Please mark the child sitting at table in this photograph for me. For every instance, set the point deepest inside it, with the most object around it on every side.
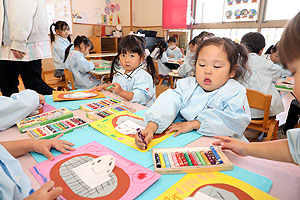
(18, 106)
(213, 102)
(160, 56)
(129, 78)
(14, 184)
(173, 51)
(286, 150)
(78, 65)
(263, 74)
(274, 56)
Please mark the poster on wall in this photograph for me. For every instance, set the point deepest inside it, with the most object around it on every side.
(240, 10)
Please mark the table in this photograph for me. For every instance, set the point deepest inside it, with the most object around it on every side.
(103, 70)
(100, 55)
(285, 176)
(174, 75)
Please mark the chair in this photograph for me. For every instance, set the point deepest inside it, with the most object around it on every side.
(160, 89)
(55, 82)
(161, 78)
(69, 78)
(267, 125)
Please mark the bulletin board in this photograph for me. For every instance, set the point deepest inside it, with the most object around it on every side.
(104, 12)
(59, 10)
(240, 10)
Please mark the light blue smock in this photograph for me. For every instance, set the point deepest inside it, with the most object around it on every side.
(261, 78)
(162, 68)
(139, 82)
(59, 47)
(284, 72)
(14, 184)
(16, 107)
(80, 68)
(224, 111)
(188, 69)
(293, 136)
(176, 52)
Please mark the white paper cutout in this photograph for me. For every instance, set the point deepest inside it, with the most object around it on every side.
(80, 95)
(128, 127)
(97, 171)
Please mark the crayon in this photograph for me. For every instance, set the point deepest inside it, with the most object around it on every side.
(157, 161)
(180, 162)
(201, 158)
(171, 160)
(141, 136)
(186, 156)
(166, 159)
(216, 154)
(161, 158)
(109, 87)
(175, 160)
(192, 159)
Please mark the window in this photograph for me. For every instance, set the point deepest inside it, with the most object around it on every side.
(272, 35)
(282, 10)
(235, 34)
(208, 11)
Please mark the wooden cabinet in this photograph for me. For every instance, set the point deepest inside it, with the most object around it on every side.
(105, 44)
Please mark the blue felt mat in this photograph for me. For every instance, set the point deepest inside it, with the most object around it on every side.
(166, 181)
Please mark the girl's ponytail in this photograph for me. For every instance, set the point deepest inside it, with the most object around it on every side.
(67, 52)
(51, 33)
(151, 68)
(242, 62)
(114, 63)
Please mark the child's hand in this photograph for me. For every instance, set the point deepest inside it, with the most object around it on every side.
(148, 135)
(44, 146)
(98, 88)
(232, 144)
(96, 64)
(46, 192)
(180, 61)
(18, 54)
(183, 127)
(116, 88)
(41, 99)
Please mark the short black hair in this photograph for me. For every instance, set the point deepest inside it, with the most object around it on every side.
(254, 41)
(172, 39)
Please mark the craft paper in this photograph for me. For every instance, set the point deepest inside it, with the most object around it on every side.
(77, 95)
(128, 179)
(214, 184)
(128, 127)
(108, 126)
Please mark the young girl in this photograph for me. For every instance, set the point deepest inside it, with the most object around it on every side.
(159, 54)
(129, 79)
(173, 51)
(61, 42)
(274, 56)
(213, 103)
(286, 150)
(78, 65)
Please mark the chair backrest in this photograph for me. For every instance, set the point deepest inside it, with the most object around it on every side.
(160, 89)
(260, 101)
(69, 78)
(156, 69)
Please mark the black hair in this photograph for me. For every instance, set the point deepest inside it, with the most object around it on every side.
(274, 48)
(254, 41)
(77, 42)
(61, 26)
(172, 39)
(204, 34)
(132, 44)
(193, 42)
(162, 45)
(237, 54)
(269, 50)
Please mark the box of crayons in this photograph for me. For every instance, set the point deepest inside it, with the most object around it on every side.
(53, 129)
(44, 118)
(88, 107)
(104, 112)
(190, 160)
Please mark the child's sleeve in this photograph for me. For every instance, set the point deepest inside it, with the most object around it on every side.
(21, 14)
(164, 57)
(84, 66)
(177, 54)
(165, 109)
(17, 107)
(143, 90)
(232, 121)
(59, 56)
(275, 72)
(293, 136)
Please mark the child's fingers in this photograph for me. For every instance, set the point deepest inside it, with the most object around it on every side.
(219, 142)
(177, 133)
(58, 136)
(53, 194)
(223, 138)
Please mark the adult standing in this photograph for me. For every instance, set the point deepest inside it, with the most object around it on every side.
(24, 43)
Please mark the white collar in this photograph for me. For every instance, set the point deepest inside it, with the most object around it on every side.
(128, 75)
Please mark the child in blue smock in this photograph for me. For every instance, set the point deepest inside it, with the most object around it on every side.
(61, 42)
(173, 51)
(79, 66)
(263, 74)
(160, 56)
(213, 102)
(18, 106)
(129, 78)
(274, 56)
(14, 184)
(286, 150)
